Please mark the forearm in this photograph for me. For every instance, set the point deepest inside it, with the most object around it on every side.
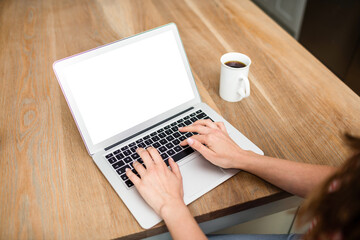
(176, 216)
(296, 178)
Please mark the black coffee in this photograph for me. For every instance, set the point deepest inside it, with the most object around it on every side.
(235, 64)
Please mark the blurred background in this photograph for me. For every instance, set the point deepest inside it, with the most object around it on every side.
(329, 29)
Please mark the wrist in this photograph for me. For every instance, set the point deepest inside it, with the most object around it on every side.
(244, 158)
(173, 208)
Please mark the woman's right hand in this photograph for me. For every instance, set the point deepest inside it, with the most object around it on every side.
(215, 144)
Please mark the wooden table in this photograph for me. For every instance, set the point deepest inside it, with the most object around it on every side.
(49, 186)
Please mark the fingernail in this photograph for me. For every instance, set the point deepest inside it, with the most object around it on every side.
(127, 169)
(190, 141)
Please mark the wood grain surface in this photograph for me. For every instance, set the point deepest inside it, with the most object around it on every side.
(49, 186)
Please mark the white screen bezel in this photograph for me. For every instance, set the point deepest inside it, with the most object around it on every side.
(60, 65)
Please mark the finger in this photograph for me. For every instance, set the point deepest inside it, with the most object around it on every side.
(195, 144)
(200, 138)
(221, 125)
(155, 155)
(195, 128)
(135, 179)
(206, 122)
(145, 156)
(139, 168)
(175, 168)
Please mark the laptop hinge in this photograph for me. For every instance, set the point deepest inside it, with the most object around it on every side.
(147, 129)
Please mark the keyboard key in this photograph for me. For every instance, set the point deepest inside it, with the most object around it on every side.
(132, 144)
(156, 145)
(169, 145)
(168, 132)
(188, 122)
(189, 134)
(109, 156)
(170, 138)
(127, 160)
(148, 142)
(135, 156)
(173, 124)
(167, 162)
(187, 117)
(181, 125)
(141, 145)
(163, 141)
(160, 130)
(209, 118)
(127, 152)
(179, 121)
(167, 127)
(170, 152)
(134, 171)
(139, 141)
(193, 119)
(176, 142)
(182, 154)
(182, 138)
(176, 135)
(140, 161)
(112, 160)
(193, 114)
(120, 156)
(129, 183)
(156, 138)
(164, 156)
(117, 152)
(185, 146)
(118, 164)
(162, 135)
(153, 134)
(124, 148)
(174, 128)
(198, 111)
(133, 149)
(146, 137)
(162, 149)
(200, 116)
(177, 148)
(121, 170)
(124, 177)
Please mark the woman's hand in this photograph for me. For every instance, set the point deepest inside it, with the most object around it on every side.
(160, 187)
(215, 144)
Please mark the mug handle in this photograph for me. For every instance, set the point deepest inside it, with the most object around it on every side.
(244, 92)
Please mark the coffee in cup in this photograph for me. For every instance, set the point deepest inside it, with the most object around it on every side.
(234, 82)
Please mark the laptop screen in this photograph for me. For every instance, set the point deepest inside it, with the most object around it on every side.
(126, 86)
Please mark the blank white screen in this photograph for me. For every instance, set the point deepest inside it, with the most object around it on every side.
(129, 85)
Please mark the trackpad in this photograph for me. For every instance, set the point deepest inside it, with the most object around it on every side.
(198, 174)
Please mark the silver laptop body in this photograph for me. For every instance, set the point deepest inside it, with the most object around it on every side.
(126, 90)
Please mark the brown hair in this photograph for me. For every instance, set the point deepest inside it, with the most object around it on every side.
(336, 210)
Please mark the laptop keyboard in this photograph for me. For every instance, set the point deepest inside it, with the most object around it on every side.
(166, 140)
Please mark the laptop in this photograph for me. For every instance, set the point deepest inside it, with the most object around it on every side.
(137, 92)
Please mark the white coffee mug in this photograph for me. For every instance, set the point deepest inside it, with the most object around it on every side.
(234, 82)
